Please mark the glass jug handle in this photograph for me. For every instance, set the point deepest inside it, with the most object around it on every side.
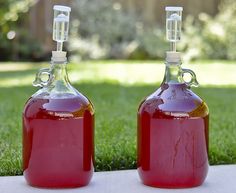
(193, 81)
(38, 79)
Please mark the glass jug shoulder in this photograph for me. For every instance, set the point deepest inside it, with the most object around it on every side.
(174, 101)
(66, 105)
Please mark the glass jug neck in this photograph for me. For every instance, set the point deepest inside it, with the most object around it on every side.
(173, 73)
(59, 71)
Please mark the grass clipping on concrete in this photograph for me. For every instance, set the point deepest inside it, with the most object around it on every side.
(116, 89)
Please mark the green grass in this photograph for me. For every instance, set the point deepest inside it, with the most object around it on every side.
(116, 89)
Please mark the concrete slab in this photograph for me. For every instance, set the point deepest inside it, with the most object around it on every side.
(221, 179)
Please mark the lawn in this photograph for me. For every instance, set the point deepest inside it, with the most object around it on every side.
(116, 89)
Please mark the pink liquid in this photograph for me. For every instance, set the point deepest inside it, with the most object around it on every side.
(58, 146)
(173, 138)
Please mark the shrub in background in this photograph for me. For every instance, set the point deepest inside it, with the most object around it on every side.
(100, 29)
(16, 42)
(103, 29)
(211, 37)
(152, 42)
(227, 21)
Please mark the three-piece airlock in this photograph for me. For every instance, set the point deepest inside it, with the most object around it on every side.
(173, 23)
(60, 31)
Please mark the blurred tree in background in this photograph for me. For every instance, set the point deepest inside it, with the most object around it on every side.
(16, 42)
